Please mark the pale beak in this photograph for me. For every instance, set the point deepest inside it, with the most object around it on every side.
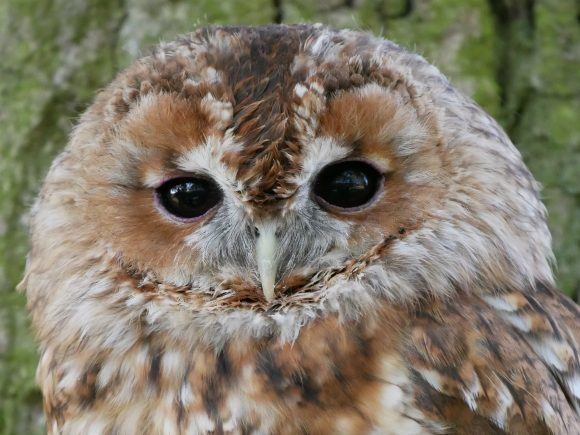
(266, 249)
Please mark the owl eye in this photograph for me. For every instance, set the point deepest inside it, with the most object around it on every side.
(188, 197)
(347, 184)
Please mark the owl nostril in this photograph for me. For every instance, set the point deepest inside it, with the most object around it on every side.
(256, 232)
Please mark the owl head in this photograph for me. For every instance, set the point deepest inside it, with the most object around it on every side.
(247, 180)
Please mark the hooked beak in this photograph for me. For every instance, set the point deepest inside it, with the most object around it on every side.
(266, 249)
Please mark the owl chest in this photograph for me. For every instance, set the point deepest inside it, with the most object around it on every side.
(246, 388)
(270, 392)
(293, 393)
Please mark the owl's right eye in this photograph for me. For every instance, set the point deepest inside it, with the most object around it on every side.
(188, 197)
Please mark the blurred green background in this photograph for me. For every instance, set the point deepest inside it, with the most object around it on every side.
(520, 59)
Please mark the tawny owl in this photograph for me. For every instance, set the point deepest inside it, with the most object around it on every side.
(293, 229)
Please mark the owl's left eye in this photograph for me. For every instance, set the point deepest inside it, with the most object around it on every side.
(347, 185)
(188, 197)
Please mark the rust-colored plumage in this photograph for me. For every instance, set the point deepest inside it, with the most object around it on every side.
(430, 309)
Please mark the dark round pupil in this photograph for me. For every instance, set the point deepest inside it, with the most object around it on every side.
(347, 184)
(188, 197)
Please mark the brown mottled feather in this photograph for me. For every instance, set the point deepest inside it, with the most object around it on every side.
(467, 351)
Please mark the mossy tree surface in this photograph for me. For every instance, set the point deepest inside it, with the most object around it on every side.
(518, 58)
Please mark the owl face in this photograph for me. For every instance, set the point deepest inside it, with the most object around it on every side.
(286, 171)
(262, 181)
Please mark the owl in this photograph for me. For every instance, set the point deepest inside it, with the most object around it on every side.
(295, 229)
